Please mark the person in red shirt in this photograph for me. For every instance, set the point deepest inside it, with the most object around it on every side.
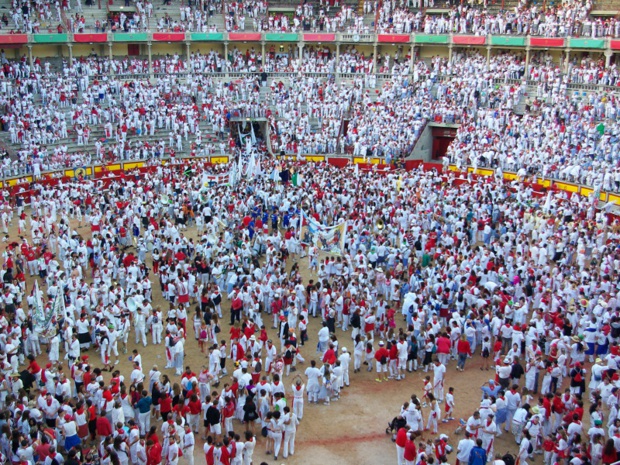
(153, 453)
(401, 441)
(393, 349)
(34, 368)
(330, 355)
(228, 412)
(381, 357)
(103, 427)
(443, 348)
(235, 308)
(165, 405)
(181, 409)
(463, 349)
(193, 417)
(558, 407)
(410, 450)
(43, 449)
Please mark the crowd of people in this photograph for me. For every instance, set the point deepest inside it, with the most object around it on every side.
(460, 268)
(64, 111)
(566, 19)
(437, 272)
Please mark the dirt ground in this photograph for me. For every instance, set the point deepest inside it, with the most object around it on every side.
(349, 431)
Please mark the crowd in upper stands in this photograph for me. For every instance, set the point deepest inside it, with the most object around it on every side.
(566, 19)
(79, 114)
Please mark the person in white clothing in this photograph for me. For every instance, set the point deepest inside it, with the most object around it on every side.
(345, 360)
(248, 448)
(290, 430)
(439, 373)
(463, 450)
(188, 441)
(298, 397)
(523, 453)
(313, 374)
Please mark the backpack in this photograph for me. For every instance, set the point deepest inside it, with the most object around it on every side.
(578, 377)
(530, 448)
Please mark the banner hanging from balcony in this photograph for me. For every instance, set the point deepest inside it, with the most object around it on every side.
(169, 36)
(546, 42)
(319, 37)
(469, 40)
(394, 38)
(88, 38)
(247, 36)
(13, 39)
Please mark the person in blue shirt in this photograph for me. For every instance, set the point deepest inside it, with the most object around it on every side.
(478, 456)
(490, 389)
(144, 412)
(251, 227)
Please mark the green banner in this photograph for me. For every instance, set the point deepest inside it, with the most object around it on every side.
(131, 37)
(508, 41)
(430, 39)
(587, 43)
(281, 37)
(207, 36)
(50, 38)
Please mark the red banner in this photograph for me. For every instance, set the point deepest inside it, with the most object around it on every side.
(615, 44)
(169, 36)
(394, 38)
(244, 36)
(15, 39)
(338, 162)
(468, 40)
(544, 42)
(319, 37)
(87, 38)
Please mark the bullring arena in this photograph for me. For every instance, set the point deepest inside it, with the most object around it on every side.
(271, 232)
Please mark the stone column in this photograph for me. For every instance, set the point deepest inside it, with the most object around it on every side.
(226, 58)
(262, 49)
(374, 58)
(337, 54)
(30, 60)
(149, 47)
(527, 61)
